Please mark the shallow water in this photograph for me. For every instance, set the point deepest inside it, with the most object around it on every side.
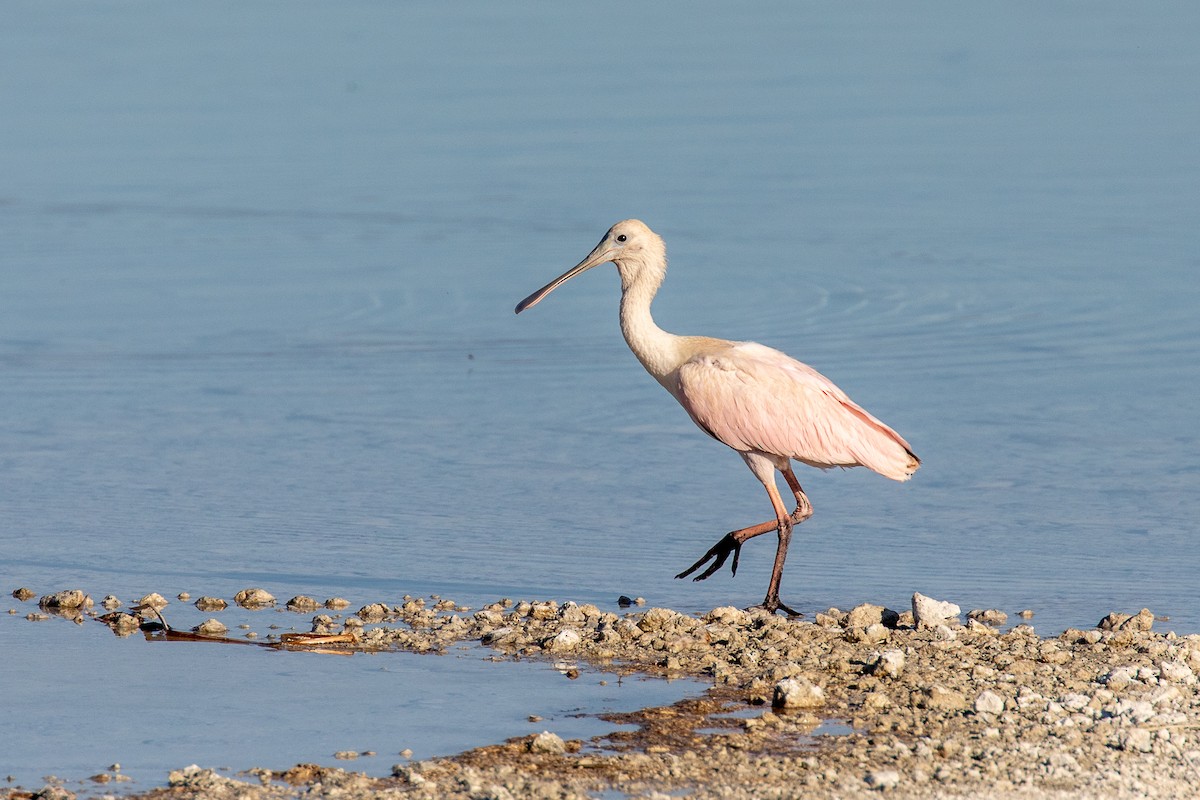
(259, 268)
(153, 705)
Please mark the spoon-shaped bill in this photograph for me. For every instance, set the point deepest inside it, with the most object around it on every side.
(601, 253)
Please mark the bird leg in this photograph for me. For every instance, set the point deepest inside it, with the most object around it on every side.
(731, 543)
(771, 602)
(804, 509)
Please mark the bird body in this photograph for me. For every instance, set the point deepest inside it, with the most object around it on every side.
(764, 404)
(755, 398)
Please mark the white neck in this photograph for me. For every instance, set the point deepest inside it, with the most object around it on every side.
(660, 352)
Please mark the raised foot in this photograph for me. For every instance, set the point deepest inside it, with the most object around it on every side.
(731, 544)
(719, 553)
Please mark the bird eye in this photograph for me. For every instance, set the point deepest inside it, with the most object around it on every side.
(621, 237)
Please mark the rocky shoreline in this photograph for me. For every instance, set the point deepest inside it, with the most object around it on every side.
(933, 707)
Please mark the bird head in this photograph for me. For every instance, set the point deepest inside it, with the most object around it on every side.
(630, 244)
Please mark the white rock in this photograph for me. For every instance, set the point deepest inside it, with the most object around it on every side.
(547, 742)
(122, 623)
(1075, 702)
(928, 612)
(253, 598)
(194, 777)
(488, 617)
(727, 615)
(567, 639)
(877, 632)
(988, 616)
(1137, 710)
(499, 635)
(798, 692)
(1027, 700)
(1141, 621)
(408, 773)
(944, 633)
(873, 634)
(1139, 739)
(1175, 672)
(988, 702)
(1165, 694)
(886, 662)
(867, 614)
(1120, 676)
(211, 627)
(882, 779)
(153, 600)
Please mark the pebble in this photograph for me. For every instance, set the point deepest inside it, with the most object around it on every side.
(547, 742)
(374, 612)
(1139, 739)
(302, 603)
(886, 662)
(798, 692)
(943, 699)
(121, 623)
(867, 614)
(566, 641)
(1141, 621)
(23, 593)
(727, 615)
(883, 779)
(988, 702)
(1176, 672)
(153, 600)
(337, 603)
(211, 604)
(211, 627)
(254, 598)
(989, 616)
(68, 598)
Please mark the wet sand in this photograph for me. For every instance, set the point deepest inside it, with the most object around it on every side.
(932, 707)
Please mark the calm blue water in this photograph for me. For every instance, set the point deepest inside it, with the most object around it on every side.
(258, 264)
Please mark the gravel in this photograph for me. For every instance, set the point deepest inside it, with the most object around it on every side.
(932, 710)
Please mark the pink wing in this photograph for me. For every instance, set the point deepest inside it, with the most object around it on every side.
(752, 397)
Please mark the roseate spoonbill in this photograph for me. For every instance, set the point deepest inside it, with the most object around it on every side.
(764, 404)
